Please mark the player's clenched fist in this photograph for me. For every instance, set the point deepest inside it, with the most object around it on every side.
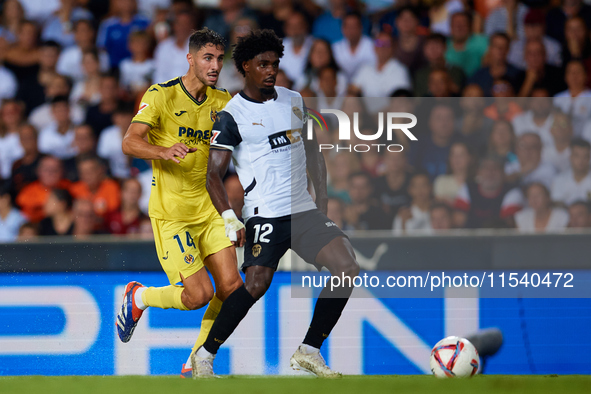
(179, 150)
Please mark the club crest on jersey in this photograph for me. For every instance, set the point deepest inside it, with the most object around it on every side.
(189, 258)
(213, 115)
(143, 106)
(298, 112)
(256, 250)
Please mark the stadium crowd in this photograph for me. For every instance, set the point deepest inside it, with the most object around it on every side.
(501, 87)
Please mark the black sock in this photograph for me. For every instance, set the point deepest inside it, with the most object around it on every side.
(233, 311)
(326, 314)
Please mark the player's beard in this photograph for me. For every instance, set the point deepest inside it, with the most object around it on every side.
(267, 91)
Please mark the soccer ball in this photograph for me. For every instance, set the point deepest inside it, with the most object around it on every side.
(454, 357)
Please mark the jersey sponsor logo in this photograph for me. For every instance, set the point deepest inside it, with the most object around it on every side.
(193, 137)
(143, 106)
(256, 250)
(214, 136)
(180, 113)
(213, 115)
(330, 224)
(284, 138)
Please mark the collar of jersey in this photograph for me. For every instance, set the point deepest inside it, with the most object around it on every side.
(189, 94)
(244, 96)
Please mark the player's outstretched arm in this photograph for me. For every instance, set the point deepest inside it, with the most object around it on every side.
(135, 144)
(317, 171)
(217, 165)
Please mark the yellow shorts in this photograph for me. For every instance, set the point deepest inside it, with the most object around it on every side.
(182, 246)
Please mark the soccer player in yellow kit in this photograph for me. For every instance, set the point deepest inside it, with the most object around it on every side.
(177, 117)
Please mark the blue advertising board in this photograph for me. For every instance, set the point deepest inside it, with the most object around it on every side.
(64, 324)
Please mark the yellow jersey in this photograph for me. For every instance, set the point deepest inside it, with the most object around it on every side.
(178, 190)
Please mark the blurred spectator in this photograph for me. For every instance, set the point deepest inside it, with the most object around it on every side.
(473, 127)
(70, 60)
(114, 31)
(127, 219)
(277, 16)
(529, 167)
(409, 45)
(540, 215)
(579, 214)
(11, 118)
(320, 56)
(447, 186)
(150, 7)
(24, 170)
(440, 13)
(576, 45)
(439, 83)
(364, 212)
(283, 80)
(382, 78)
(558, 152)
(489, 202)
(327, 93)
(538, 118)
(297, 45)
(95, 186)
(22, 58)
(138, 70)
(576, 100)
(58, 85)
(430, 152)
(8, 83)
(574, 184)
(169, 51)
(465, 49)
(556, 17)
(59, 219)
(85, 144)
(10, 217)
(416, 216)
(440, 217)
(12, 17)
(534, 30)
(336, 213)
(509, 18)
(434, 50)
(229, 77)
(539, 74)
(227, 13)
(497, 67)
(504, 106)
(27, 232)
(85, 219)
(59, 26)
(355, 49)
(39, 10)
(56, 138)
(235, 194)
(340, 169)
(32, 198)
(100, 116)
(328, 25)
(109, 143)
(502, 142)
(391, 189)
(86, 91)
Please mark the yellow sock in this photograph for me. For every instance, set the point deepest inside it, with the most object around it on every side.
(208, 318)
(164, 297)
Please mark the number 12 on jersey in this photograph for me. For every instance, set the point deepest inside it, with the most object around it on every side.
(266, 228)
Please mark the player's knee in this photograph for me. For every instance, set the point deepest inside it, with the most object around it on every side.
(257, 288)
(351, 268)
(197, 299)
(227, 287)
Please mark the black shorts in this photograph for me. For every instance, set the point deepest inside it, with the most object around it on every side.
(306, 233)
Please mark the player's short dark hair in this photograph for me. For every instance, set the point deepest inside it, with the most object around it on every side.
(581, 143)
(203, 37)
(255, 43)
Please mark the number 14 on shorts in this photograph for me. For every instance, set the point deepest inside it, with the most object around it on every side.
(189, 241)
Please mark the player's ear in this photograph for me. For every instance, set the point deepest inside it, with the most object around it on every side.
(246, 66)
(190, 58)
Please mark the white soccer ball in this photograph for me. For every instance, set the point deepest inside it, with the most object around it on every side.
(454, 357)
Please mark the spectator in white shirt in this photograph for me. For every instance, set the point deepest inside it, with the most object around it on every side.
(355, 49)
(417, 216)
(576, 100)
(109, 143)
(382, 78)
(327, 93)
(138, 70)
(540, 216)
(10, 218)
(529, 166)
(297, 44)
(39, 10)
(574, 184)
(321, 55)
(538, 119)
(579, 214)
(440, 217)
(8, 83)
(86, 91)
(57, 137)
(70, 60)
(11, 118)
(558, 152)
(169, 56)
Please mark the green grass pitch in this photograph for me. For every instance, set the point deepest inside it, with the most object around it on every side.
(300, 385)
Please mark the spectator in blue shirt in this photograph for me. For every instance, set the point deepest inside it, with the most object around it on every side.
(60, 26)
(114, 32)
(328, 25)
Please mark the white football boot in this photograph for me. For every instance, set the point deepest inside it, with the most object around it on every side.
(203, 366)
(312, 363)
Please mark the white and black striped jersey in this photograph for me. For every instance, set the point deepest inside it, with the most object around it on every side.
(268, 152)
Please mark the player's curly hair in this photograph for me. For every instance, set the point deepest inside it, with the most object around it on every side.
(255, 43)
